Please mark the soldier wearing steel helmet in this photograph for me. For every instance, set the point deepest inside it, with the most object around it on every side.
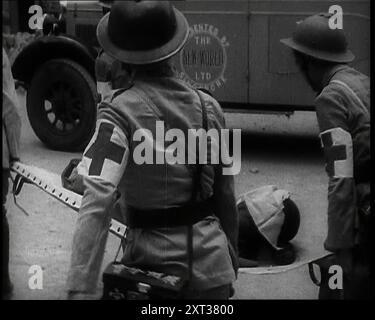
(174, 227)
(343, 113)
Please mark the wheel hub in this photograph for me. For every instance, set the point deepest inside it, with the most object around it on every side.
(63, 107)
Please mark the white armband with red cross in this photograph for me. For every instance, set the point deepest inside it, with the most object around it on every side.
(107, 153)
(338, 151)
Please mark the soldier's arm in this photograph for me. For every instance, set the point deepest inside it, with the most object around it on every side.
(224, 196)
(102, 166)
(12, 126)
(332, 114)
(10, 114)
(333, 119)
(226, 210)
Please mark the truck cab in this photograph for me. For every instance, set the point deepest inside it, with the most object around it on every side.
(233, 51)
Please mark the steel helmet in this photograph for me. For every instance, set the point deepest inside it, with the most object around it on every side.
(268, 220)
(142, 32)
(267, 214)
(314, 37)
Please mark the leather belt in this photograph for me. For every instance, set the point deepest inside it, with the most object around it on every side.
(172, 217)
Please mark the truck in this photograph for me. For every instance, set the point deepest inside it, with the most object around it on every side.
(233, 51)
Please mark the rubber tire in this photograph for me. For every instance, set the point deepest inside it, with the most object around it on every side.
(78, 77)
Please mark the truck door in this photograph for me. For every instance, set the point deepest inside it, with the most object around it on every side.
(215, 56)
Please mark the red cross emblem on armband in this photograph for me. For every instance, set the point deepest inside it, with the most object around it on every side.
(337, 144)
(103, 148)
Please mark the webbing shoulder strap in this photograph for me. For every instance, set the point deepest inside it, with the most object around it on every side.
(196, 188)
(353, 94)
(198, 172)
(118, 92)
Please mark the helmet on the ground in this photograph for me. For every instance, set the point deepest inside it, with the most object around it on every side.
(142, 32)
(314, 37)
(267, 217)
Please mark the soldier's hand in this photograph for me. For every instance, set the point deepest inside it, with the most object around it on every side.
(12, 160)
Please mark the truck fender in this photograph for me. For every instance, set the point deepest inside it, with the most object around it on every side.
(52, 47)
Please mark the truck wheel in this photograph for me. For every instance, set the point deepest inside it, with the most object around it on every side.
(61, 105)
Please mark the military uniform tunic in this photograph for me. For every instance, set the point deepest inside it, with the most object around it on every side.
(343, 112)
(108, 165)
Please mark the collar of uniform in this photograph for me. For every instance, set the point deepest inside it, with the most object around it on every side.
(164, 73)
(331, 72)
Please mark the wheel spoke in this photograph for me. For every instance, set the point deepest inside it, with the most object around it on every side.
(54, 122)
(51, 116)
